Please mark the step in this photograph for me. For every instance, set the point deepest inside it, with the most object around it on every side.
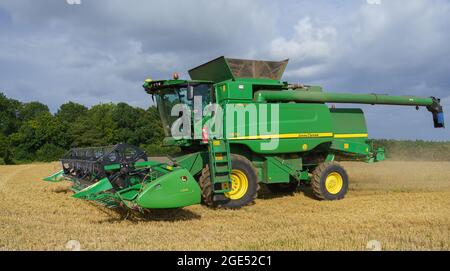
(222, 168)
(223, 163)
(222, 179)
(219, 145)
(220, 157)
(221, 191)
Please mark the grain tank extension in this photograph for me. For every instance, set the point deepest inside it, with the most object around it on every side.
(306, 138)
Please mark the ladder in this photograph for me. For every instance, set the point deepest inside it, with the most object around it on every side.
(220, 167)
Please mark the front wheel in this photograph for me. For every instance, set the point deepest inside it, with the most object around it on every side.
(329, 181)
(244, 184)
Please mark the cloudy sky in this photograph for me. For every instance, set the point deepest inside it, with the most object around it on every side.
(101, 50)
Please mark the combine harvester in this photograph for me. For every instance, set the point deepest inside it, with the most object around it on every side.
(225, 171)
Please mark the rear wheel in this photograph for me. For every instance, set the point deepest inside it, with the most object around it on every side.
(244, 184)
(329, 181)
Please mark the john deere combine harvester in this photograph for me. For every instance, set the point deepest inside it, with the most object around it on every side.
(225, 170)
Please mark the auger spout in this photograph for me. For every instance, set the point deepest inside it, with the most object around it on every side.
(431, 103)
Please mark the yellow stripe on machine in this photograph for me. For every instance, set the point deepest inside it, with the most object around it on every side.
(350, 135)
(302, 135)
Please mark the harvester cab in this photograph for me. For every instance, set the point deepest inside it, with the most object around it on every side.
(238, 126)
(170, 94)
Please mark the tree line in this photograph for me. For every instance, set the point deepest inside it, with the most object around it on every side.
(30, 132)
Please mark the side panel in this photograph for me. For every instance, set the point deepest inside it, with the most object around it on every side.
(193, 162)
(173, 190)
(345, 131)
(350, 131)
(274, 172)
(301, 127)
(280, 169)
(232, 90)
(348, 121)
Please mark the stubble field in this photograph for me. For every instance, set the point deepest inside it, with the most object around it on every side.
(402, 205)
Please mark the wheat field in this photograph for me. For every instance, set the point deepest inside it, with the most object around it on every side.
(402, 205)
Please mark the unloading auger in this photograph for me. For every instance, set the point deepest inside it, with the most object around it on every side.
(227, 171)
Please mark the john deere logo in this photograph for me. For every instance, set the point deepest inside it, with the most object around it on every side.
(183, 178)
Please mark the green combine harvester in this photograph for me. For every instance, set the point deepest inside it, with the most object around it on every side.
(267, 132)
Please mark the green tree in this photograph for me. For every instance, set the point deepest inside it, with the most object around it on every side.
(97, 128)
(70, 112)
(35, 133)
(9, 115)
(5, 150)
(154, 129)
(49, 152)
(126, 119)
(32, 110)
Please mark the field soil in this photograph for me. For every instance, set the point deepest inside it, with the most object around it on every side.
(401, 205)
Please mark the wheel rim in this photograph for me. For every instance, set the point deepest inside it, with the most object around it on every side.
(239, 185)
(334, 183)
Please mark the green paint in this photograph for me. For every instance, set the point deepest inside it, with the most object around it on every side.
(56, 177)
(173, 190)
(112, 167)
(130, 193)
(193, 162)
(98, 187)
(276, 171)
(348, 121)
(328, 97)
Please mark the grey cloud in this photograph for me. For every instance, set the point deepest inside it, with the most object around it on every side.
(398, 47)
(101, 50)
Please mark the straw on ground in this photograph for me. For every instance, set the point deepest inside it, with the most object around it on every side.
(403, 205)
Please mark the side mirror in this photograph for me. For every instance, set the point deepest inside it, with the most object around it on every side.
(190, 93)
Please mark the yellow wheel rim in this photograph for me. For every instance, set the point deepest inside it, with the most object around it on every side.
(239, 185)
(334, 183)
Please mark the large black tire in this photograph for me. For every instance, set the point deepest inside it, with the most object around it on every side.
(206, 187)
(337, 181)
(238, 163)
(283, 188)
